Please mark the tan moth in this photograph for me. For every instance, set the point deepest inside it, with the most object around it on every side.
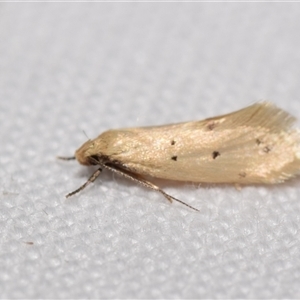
(253, 145)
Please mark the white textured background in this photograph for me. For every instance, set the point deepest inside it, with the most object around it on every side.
(66, 68)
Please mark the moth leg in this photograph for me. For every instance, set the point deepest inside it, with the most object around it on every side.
(90, 180)
(138, 178)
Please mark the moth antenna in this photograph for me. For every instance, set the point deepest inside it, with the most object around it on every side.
(86, 135)
(66, 158)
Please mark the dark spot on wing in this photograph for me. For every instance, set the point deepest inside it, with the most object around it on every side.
(173, 142)
(174, 158)
(267, 149)
(258, 141)
(211, 125)
(215, 154)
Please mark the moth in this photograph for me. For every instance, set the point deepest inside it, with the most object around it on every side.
(254, 145)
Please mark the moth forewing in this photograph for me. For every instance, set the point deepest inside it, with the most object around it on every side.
(253, 145)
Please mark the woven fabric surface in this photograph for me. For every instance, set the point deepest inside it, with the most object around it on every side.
(72, 70)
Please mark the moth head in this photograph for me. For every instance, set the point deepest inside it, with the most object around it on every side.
(101, 149)
(88, 153)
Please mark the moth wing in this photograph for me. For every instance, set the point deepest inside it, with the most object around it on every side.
(255, 144)
(262, 114)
